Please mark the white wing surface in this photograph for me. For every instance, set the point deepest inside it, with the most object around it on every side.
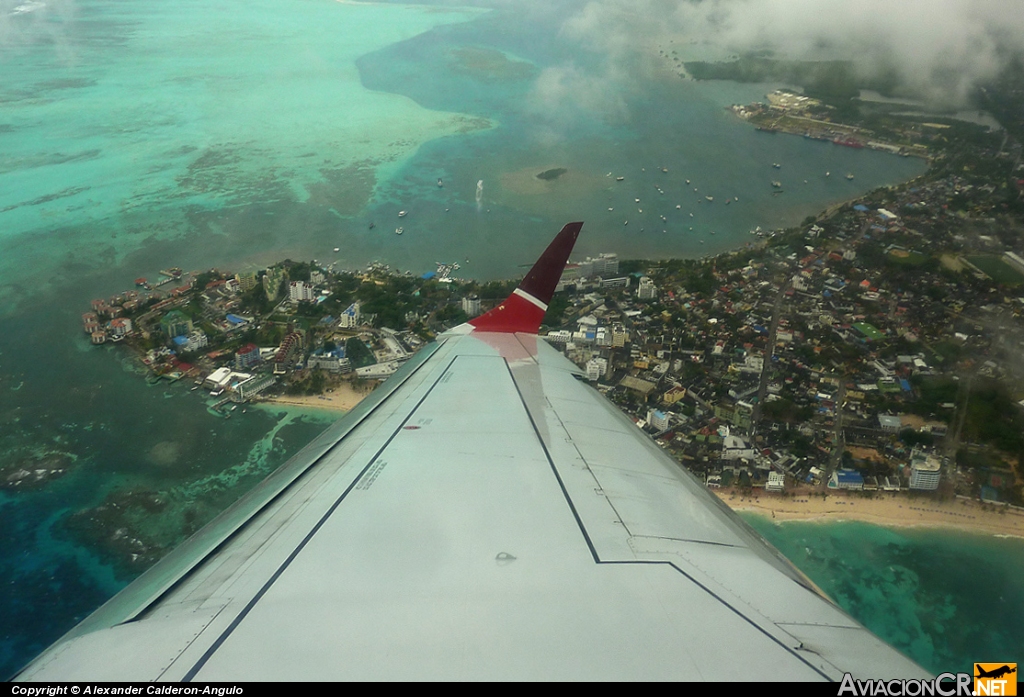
(484, 515)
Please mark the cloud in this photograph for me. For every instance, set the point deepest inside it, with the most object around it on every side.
(939, 49)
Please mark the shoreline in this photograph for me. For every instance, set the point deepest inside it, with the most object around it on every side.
(342, 398)
(887, 510)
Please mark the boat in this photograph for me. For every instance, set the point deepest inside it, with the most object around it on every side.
(402, 214)
(665, 170)
(619, 179)
(337, 249)
(777, 184)
(399, 230)
(372, 225)
(710, 198)
(440, 183)
(776, 165)
(849, 142)
(687, 181)
(849, 176)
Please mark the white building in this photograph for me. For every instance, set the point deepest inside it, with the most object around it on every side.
(657, 419)
(350, 317)
(776, 481)
(925, 471)
(646, 290)
(471, 305)
(596, 367)
(299, 291)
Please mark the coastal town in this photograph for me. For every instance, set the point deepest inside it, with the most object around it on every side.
(870, 354)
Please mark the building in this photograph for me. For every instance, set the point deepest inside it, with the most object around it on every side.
(192, 342)
(329, 362)
(300, 291)
(776, 481)
(247, 356)
(620, 335)
(596, 367)
(471, 306)
(350, 317)
(646, 290)
(248, 388)
(290, 347)
(120, 326)
(272, 281)
(657, 419)
(889, 423)
(925, 471)
(246, 281)
(674, 395)
(846, 479)
(176, 323)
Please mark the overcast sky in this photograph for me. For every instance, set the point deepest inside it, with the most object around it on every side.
(941, 48)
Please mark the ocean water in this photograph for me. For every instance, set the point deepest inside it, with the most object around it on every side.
(137, 136)
(946, 598)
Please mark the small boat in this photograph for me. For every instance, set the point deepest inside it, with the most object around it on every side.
(665, 170)
(678, 207)
(399, 230)
(687, 181)
(849, 176)
(710, 198)
(776, 165)
(611, 209)
(828, 174)
(619, 179)
(637, 200)
(777, 184)
(440, 183)
(337, 249)
(402, 214)
(373, 225)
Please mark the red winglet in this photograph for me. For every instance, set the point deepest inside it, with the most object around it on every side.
(525, 308)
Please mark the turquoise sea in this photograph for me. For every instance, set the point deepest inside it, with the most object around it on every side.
(137, 136)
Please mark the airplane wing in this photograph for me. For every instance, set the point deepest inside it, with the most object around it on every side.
(483, 515)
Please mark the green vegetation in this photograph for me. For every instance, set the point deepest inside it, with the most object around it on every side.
(997, 269)
(358, 353)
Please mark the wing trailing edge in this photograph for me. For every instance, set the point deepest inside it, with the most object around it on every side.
(524, 309)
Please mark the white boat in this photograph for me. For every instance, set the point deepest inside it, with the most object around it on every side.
(710, 198)
(402, 214)
(399, 230)
(337, 249)
(849, 176)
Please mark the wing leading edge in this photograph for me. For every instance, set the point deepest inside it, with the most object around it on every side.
(485, 516)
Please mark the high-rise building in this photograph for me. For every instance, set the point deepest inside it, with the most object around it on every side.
(925, 471)
(300, 291)
(471, 305)
(646, 290)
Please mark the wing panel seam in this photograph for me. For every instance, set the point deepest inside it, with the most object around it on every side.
(208, 654)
